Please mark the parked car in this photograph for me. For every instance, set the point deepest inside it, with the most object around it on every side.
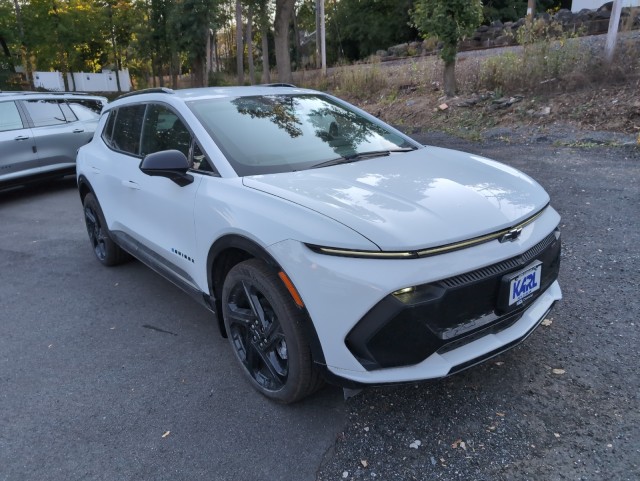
(329, 245)
(40, 133)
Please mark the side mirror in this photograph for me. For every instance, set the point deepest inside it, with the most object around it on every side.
(171, 164)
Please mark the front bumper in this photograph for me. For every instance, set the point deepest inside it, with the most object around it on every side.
(342, 293)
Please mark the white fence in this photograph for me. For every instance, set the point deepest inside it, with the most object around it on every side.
(83, 82)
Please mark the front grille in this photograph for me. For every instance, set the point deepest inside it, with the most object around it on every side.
(443, 315)
(501, 267)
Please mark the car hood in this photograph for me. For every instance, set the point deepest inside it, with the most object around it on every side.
(424, 198)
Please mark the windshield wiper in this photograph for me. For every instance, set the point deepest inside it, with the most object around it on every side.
(360, 156)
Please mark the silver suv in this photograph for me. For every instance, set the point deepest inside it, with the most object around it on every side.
(40, 133)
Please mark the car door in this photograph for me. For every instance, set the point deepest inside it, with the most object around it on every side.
(154, 211)
(58, 133)
(17, 144)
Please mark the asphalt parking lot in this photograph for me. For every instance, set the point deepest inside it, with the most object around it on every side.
(115, 374)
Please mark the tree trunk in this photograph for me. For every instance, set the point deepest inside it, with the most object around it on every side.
(264, 33)
(239, 44)
(175, 69)
(296, 39)
(450, 78)
(318, 43)
(284, 9)
(252, 70)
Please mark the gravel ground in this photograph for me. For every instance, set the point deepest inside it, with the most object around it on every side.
(562, 405)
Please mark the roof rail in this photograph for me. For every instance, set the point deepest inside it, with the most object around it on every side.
(278, 85)
(155, 90)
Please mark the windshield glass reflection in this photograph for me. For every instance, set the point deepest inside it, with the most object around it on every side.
(280, 133)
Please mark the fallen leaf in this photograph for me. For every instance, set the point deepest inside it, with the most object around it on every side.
(558, 371)
(166, 434)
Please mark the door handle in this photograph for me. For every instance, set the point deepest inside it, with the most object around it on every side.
(131, 184)
(21, 137)
(77, 131)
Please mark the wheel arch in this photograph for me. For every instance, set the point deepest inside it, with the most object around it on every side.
(232, 249)
(84, 187)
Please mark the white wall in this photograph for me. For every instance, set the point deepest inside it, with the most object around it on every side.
(578, 5)
(84, 82)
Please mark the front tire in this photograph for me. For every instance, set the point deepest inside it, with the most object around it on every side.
(107, 251)
(264, 327)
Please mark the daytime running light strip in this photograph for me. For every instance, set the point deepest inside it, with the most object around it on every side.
(425, 252)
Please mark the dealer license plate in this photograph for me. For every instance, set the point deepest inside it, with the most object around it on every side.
(525, 283)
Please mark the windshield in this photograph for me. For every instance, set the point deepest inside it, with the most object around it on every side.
(284, 133)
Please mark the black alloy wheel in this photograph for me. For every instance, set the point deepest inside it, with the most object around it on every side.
(107, 251)
(264, 328)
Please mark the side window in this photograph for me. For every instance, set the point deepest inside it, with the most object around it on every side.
(127, 129)
(9, 117)
(199, 160)
(45, 112)
(68, 114)
(107, 133)
(94, 105)
(163, 130)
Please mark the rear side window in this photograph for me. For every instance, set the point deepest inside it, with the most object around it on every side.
(44, 113)
(95, 105)
(127, 129)
(9, 117)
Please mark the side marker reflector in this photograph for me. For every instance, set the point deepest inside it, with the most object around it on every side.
(291, 288)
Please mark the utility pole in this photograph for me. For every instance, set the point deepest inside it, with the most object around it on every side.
(531, 10)
(612, 35)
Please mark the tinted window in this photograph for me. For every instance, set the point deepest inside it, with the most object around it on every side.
(163, 130)
(127, 129)
(108, 129)
(45, 112)
(9, 117)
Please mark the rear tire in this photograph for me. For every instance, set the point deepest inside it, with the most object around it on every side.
(107, 251)
(265, 331)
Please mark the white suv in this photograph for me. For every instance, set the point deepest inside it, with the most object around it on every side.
(327, 244)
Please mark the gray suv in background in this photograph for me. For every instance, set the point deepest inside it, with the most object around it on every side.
(40, 133)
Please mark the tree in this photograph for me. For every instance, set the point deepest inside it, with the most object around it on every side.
(284, 10)
(450, 21)
(359, 32)
(263, 16)
(239, 44)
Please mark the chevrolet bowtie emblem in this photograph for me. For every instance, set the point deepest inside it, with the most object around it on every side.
(512, 235)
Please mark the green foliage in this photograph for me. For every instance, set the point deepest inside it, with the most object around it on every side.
(504, 10)
(449, 20)
(357, 28)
